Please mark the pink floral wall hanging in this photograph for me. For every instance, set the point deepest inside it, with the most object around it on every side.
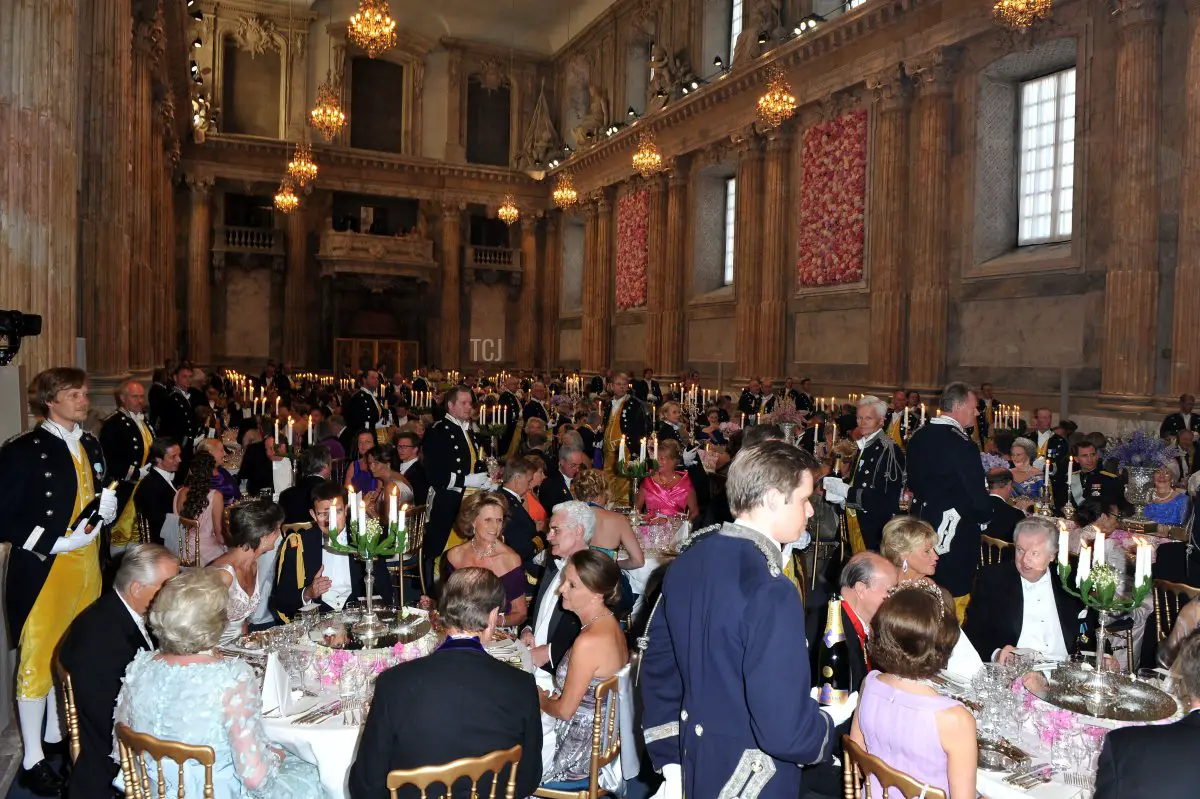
(832, 198)
(633, 250)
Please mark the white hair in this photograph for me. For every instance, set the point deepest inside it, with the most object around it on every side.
(140, 564)
(581, 515)
(1035, 525)
(875, 404)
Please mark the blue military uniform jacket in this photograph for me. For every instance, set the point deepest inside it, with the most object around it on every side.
(725, 675)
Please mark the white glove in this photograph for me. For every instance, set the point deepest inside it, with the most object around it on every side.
(108, 505)
(842, 712)
(145, 470)
(77, 540)
(672, 785)
(689, 457)
(477, 480)
(836, 490)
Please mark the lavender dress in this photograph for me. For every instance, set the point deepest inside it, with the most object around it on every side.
(900, 729)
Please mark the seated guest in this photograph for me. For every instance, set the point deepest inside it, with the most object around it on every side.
(668, 492)
(1092, 517)
(1188, 462)
(533, 505)
(1005, 518)
(408, 450)
(1184, 419)
(200, 501)
(591, 590)
(718, 511)
(1186, 623)
(711, 431)
(154, 496)
(359, 476)
(1169, 505)
(313, 466)
(1023, 604)
(384, 465)
(551, 631)
(306, 572)
(1157, 761)
(327, 435)
(253, 530)
(95, 651)
(613, 532)
(910, 544)
(902, 720)
(519, 530)
(480, 520)
(482, 705)
(557, 487)
(537, 445)
(1027, 478)
(223, 480)
(258, 469)
(220, 697)
(865, 581)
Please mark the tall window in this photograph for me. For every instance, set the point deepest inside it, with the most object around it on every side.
(735, 25)
(730, 224)
(1046, 171)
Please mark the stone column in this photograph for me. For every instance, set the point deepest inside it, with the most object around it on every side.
(551, 291)
(164, 158)
(590, 307)
(528, 313)
(656, 235)
(671, 352)
(141, 290)
(106, 47)
(451, 328)
(1185, 346)
(747, 275)
(933, 76)
(604, 288)
(295, 292)
(886, 225)
(1131, 291)
(777, 272)
(39, 133)
(456, 148)
(199, 298)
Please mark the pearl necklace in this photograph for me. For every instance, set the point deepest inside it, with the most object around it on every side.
(491, 550)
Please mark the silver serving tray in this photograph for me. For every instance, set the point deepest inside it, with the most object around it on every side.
(1104, 696)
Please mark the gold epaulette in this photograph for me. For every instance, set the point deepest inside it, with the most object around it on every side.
(1107, 474)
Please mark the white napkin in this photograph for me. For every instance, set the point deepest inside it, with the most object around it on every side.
(276, 688)
(964, 659)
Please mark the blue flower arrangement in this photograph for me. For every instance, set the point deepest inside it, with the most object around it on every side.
(1139, 449)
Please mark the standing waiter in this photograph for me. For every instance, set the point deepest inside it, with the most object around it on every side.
(876, 479)
(454, 461)
(176, 419)
(50, 487)
(125, 437)
(950, 490)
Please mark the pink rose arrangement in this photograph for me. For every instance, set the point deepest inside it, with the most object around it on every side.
(830, 232)
(633, 248)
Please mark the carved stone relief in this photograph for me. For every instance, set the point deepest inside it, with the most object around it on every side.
(256, 35)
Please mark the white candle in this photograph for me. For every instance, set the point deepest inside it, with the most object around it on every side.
(277, 406)
(333, 517)
(655, 455)
(1085, 564)
(621, 450)
(276, 431)
(835, 432)
(1064, 545)
(1098, 556)
(392, 507)
(642, 453)
(743, 420)
(289, 431)
(310, 430)
(351, 507)
(403, 517)
(922, 415)
(362, 513)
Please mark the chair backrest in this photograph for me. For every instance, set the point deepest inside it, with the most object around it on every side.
(141, 529)
(133, 745)
(72, 710)
(414, 525)
(337, 470)
(1168, 599)
(606, 735)
(470, 768)
(858, 766)
(994, 550)
(189, 542)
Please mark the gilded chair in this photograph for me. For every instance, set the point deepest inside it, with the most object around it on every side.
(606, 747)
(189, 543)
(1168, 599)
(467, 768)
(134, 746)
(337, 470)
(410, 564)
(858, 766)
(72, 710)
(141, 529)
(994, 550)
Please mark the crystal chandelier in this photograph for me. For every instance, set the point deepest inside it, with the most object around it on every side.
(327, 115)
(285, 197)
(302, 168)
(372, 27)
(647, 160)
(1022, 15)
(508, 212)
(564, 191)
(778, 104)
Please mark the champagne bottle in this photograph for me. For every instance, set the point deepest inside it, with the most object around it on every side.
(833, 659)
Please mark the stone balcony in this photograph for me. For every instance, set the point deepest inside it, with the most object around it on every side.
(379, 262)
(492, 265)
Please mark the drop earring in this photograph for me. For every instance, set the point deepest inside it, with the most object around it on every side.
(904, 565)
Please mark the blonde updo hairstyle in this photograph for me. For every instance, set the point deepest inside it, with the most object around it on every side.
(188, 615)
(591, 485)
(903, 535)
(670, 448)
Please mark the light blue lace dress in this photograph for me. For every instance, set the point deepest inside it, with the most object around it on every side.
(217, 705)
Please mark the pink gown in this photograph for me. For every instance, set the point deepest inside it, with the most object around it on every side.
(666, 501)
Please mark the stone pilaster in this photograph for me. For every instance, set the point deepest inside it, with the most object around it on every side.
(456, 148)
(451, 321)
(1185, 346)
(933, 77)
(529, 316)
(141, 289)
(199, 292)
(777, 281)
(551, 291)
(1131, 290)
(604, 286)
(295, 292)
(747, 274)
(106, 52)
(589, 302)
(162, 234)
(39, 136)
(672, 322)
(655, 269)
(886, 226)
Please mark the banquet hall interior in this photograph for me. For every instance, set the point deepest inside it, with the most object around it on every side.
(518, 273)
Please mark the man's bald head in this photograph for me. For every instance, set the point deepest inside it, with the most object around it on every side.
(866, 578)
